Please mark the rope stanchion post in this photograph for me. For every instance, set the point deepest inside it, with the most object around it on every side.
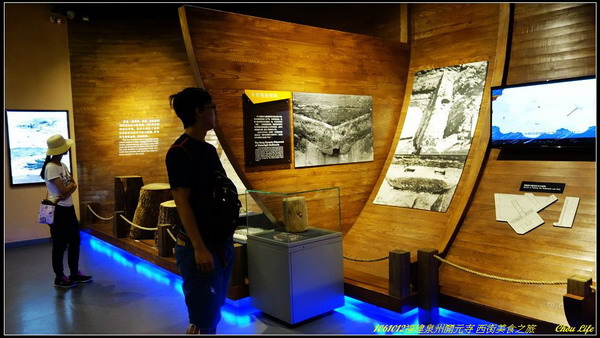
(166, 243)
(86, 216)
(428, 286)
(120, 226)
(399, 273)
(579, 302)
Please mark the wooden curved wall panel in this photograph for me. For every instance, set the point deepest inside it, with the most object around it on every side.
(123, 69)
(443, 35)
(237, 52)
(547, 252)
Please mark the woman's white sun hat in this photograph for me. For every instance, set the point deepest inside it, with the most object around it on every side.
(58, 145)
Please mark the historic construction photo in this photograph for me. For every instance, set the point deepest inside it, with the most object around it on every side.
(332, 129)
(435, 138)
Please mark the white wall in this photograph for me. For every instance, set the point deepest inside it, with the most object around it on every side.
(36, 76)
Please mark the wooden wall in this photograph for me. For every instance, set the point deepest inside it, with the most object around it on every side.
(236, 52)
(123, 68)
(380, 20)
(550, 41)
(442, 35)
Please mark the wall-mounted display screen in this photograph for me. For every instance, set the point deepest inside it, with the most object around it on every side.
(552, 114)
(27, 133)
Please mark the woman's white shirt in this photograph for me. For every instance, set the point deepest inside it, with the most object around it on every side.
(54, 171)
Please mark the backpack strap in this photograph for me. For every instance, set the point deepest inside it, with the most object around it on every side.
(175, 146)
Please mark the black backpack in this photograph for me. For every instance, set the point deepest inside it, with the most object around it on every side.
(226, 207)
(222, 209)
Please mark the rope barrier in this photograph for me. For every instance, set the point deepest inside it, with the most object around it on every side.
(522, 281)
(169, 231)
(102, 218)
(366, 260)
(137, 226)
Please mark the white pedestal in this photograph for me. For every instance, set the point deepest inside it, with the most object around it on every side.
(296, 280)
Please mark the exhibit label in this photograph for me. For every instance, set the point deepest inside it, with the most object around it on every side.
(138, 137)
(266, 127)
(542, 187)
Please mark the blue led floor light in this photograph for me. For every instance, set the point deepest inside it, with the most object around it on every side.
(355, 317)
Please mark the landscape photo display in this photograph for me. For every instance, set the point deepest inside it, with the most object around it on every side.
(332, 129)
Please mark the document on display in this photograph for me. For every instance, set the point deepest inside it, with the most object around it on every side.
(521, 211)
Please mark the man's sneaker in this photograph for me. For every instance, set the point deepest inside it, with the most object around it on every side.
(192, 329)
(80, 278)
(64, 282)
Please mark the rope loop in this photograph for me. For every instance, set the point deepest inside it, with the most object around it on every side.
(102, 218)
(170, 233)
(521, 281)
(137, 226)
(366, 260)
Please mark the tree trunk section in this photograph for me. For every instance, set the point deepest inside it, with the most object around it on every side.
(146, 213)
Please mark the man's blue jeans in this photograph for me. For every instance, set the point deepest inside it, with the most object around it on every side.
(204, 293)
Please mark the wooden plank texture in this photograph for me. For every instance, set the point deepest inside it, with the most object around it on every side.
(443, 35)
(541, 32)
(552, 41)
(123, 69)
(237, 52)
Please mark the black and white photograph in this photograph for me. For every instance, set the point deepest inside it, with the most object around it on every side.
(332, 129)
(27, 135)
(435, 138)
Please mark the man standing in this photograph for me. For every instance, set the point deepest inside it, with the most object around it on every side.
(203, 258)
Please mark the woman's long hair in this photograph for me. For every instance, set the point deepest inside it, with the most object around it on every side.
(43, 173)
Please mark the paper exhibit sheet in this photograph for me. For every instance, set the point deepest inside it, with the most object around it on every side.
(521, 211)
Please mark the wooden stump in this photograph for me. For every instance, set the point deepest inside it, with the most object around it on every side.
(296, 216)
(127, 194)
(168, 218)
(146, 213)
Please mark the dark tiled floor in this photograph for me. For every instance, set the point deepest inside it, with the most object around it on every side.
(131, 296)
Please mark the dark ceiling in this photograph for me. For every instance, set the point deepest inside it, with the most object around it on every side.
(361, 18)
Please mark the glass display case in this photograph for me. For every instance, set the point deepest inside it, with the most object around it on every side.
(290, 217)
(294, 246)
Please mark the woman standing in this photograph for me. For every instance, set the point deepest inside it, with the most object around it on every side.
(65, 229)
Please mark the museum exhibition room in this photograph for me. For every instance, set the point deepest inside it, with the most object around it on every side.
(400, 168)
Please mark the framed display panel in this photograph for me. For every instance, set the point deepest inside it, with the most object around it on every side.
(27, 132)
(435, 139)
(267, 128)
(332, 129)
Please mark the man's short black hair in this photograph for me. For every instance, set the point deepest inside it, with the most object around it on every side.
(186, 101)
